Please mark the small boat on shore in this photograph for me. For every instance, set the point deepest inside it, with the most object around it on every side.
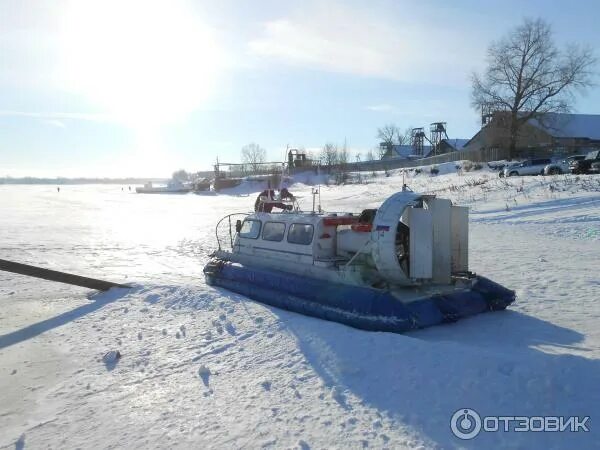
(225, 183)
(172, 187)
(202, 186)
(399, 267)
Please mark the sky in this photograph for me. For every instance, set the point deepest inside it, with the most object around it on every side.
(117, 88)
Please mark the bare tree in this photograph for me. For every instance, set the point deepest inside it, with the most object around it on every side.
(329, 155)
(388, 134)
(405, 138)
(528, 76)
(181, 175)
(358, 167)
(343, 155)
(342, 161)
(253, 155)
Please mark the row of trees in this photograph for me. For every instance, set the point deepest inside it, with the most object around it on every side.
(331, 154)
(253, 155)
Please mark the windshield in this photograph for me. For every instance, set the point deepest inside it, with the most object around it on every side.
(592, 155)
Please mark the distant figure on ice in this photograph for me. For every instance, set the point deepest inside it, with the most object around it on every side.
(57, 189)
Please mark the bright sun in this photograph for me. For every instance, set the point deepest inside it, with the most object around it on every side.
(146, 63)
(142, 60)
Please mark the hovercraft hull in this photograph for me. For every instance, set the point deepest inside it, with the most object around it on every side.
(359, 307)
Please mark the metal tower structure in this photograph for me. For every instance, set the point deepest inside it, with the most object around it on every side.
(437, 132)
(417, 139)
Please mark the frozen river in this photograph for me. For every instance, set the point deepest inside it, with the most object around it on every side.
(104, 231)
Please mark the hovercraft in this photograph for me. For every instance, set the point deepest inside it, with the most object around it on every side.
(400, 267)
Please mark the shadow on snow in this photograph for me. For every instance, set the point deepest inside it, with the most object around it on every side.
(499, 364)
(492, 363)
(33, 330)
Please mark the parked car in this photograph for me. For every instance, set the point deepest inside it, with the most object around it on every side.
(562, 166)
(529, 167)
(503, 166)
(496, 165)
(585, 165)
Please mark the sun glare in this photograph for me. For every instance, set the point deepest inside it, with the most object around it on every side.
(143, 61)
(147, 64)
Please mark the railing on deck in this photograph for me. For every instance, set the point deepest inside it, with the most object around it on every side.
(224, 232)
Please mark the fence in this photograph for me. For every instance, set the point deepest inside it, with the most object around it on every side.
(485, 155)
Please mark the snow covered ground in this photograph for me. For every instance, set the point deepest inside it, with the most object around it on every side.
(205, 368)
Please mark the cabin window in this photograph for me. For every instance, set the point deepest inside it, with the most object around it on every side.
(250, 229)
(273, 231)
(300, 233)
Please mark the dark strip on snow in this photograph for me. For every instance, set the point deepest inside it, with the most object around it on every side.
(60, 277)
